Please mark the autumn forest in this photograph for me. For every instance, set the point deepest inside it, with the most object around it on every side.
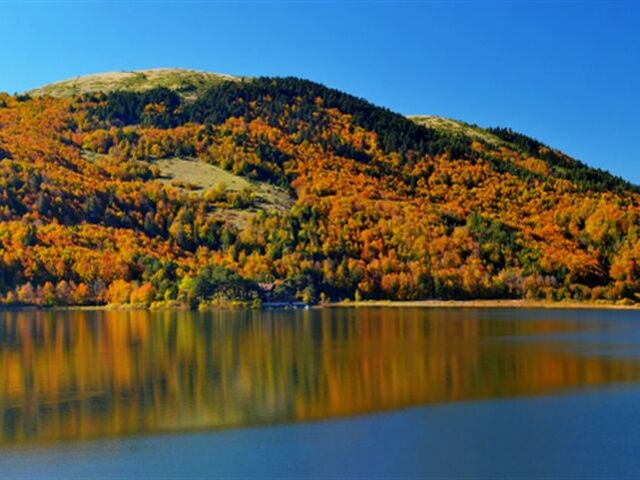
(301, 193)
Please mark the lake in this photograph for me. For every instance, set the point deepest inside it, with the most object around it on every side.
(324, 393)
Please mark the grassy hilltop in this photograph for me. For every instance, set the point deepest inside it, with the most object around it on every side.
(183, 81)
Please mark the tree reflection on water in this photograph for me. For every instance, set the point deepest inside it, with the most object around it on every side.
(82, 374)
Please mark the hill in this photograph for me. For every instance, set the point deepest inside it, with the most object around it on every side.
(281, 188)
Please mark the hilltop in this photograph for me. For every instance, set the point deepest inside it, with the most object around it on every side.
(186, 188)
(186, 82)
(457, 127)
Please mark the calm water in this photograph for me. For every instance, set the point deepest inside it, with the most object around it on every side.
(367, 393)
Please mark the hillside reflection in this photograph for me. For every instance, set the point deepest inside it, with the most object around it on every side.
(81, 374)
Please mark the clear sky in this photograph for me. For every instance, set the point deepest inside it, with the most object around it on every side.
(566, 73)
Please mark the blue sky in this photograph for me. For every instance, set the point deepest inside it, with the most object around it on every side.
(565, 73)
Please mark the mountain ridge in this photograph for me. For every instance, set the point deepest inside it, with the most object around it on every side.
(191, 83)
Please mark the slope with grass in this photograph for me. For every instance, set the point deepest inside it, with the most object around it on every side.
(456, 127)
(188, 83)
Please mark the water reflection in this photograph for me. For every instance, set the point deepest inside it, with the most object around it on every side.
(81, 374)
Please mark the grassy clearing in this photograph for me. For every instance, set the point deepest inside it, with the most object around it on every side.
(454, 126)
(196, 177)
(199, 174)
(188, 83)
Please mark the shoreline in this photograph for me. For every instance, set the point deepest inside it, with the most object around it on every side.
(498, 303)
(516, 303)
